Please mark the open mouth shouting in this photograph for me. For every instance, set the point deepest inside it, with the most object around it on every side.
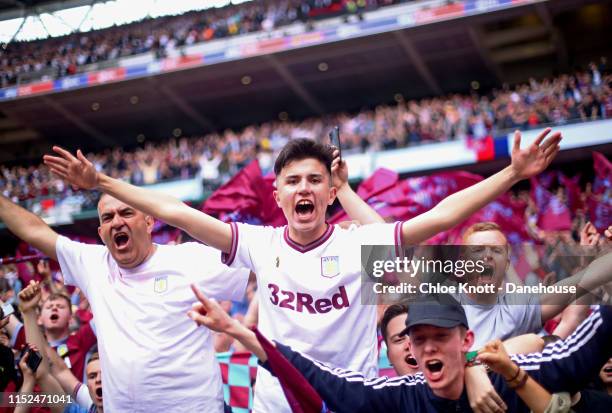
(433, 370)
(121, 240)
(411, 361)
(486, 275)
(304, 209)
(99, 393)
(54, 317)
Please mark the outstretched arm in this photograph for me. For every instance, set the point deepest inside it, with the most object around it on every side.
(28, 227)
(596, 274)
(208, 313)
(29, 298)
(342, 391)
(81, 172)
(566, 365)
(459, 206)
(355, 207)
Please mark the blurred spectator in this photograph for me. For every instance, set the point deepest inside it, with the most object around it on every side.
(55, 316)
(7, 294)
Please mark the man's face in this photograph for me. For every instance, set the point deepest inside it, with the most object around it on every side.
(606, 373)
(94, 382)
(398, 347)
(125, 231)
(492, 248)
(440, 353)
(55, 315)
(303, 193)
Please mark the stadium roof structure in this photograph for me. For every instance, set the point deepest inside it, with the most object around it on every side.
(537, 38)
(25, 20)
(19, 4)
(10, 9)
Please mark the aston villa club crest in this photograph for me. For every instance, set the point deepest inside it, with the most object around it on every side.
(161, 284)
(62, 350)
(330, 266)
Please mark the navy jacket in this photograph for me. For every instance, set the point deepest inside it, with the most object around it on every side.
(564, 366)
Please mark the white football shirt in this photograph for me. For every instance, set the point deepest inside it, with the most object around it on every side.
(310, 297)
(153, 357)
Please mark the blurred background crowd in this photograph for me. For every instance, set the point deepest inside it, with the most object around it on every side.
(65, 56)
(582, 96)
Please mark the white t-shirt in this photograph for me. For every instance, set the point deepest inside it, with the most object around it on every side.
(512, 315)
(154, 358)
(310, 297)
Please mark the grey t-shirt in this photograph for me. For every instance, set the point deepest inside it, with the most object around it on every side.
(512, 315)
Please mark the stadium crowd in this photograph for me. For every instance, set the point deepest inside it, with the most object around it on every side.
(582, 96)
(71, 365)
(65, 55)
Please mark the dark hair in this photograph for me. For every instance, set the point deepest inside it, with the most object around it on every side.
(299, 149)
(390, 313)
(94, 357)
(59, 296)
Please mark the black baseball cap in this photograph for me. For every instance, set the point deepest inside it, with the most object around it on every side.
(442, 312)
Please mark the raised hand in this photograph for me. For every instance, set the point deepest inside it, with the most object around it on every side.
(209, 313)
(589, 235)
(29, 297)
(534, 159)
(495, 356)
(339, 170)
(77, 171)
(44, 269)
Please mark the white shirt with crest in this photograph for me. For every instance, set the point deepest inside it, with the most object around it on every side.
(153, 357)
(310, 297)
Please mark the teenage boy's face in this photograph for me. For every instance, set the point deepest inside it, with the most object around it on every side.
(94, 382)
(55, 314)
(303, 193)
(440, 355)
(398, 347)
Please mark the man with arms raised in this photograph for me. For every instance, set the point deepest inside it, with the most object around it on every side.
(503, 315)
(309, 272)
(154, 358)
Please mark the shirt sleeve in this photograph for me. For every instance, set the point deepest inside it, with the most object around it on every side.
(347, 391)
(82, 397)
(381, 234)
(74, 259)
(18, 338)
(214, 278)
(245, 239)
(566, 365)
(379, 243)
